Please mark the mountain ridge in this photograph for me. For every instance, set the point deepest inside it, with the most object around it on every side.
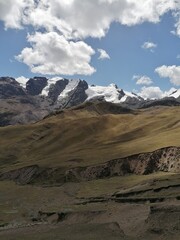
(94, 162)
(22, 104)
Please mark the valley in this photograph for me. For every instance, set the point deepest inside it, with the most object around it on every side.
(93, 170)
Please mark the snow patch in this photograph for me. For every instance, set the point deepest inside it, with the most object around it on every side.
(110, 93)
(73, 83)
(123, 99)
(45, 91)
(175, 93)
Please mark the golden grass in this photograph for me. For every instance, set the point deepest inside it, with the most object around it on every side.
(80, 137)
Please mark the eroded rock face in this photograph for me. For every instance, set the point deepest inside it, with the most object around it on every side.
(23, 175)
(165, 159)
(34, 174)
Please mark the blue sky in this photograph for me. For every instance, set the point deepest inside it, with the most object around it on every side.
(121, 40)
(123, 44)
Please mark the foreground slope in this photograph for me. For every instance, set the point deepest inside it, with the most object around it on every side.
(93, 171)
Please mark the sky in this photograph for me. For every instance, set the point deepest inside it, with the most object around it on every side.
(134, 44)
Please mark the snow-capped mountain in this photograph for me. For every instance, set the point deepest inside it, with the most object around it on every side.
(64, 93)
(110, 93)
(29, 101)
(60, 91)
(69, 92)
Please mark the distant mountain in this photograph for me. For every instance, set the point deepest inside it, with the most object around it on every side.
(17, 106)
(20, 103)
(71, 92)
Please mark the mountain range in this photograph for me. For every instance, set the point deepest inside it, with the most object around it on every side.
(85, 162)
(93, 171)
(25, 103)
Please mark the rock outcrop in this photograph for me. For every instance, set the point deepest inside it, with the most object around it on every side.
(165, 159)
(35, 85)
(9, 88)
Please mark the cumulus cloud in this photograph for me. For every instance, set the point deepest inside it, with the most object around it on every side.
(70, 21)
(171, 72)
(149, 45)
(80, 19)
(155, 92)
(142, 80)
(103, 54)
(77, 14)
(52, 54)
(22, 81)
(151, 93)
(13, 12)
(176, 15)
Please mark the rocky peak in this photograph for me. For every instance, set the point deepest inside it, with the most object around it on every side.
(7, 80)
(9, 87)
(77, 95)
(121, 94)
(56, 89)
(35, 85)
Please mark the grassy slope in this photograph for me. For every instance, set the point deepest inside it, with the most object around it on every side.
(82, 137)
(18, 204)
(31, 199)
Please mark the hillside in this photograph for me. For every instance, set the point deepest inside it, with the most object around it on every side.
(90, 168)
(86, 136)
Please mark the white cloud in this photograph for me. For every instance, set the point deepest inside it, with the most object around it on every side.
(155, 92)
(142, 80)
(149, 45)
(176, 15)
(72, 20)
(151, 93)
(171, 72)
(103, 54)
(22, 81)
(12, 12)
(75, 17)
(80, 19)
(53, 54)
